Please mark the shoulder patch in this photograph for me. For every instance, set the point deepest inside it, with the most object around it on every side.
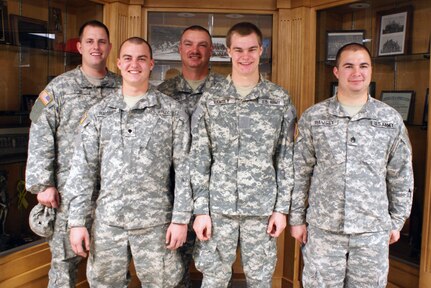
(45, 97)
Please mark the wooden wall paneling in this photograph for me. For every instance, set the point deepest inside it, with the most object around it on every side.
(263, 5)
(425, 265)
(115, 16)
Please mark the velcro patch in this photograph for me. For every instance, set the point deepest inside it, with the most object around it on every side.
(275, 102)
(382, 124)
(222, 101)
(324, 123)
(45, 98)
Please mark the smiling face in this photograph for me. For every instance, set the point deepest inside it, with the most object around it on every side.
(195, 49)
(245, 52)
(135, 64)
(94, 47)
(353, 72)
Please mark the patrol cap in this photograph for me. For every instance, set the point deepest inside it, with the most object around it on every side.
(41, 220)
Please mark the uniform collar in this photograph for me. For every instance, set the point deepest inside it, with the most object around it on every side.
(110, 80)
(261, 86)
(150, 100)
(369, 110)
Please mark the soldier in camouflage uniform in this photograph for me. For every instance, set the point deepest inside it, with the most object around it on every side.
(242, 170)
(55, 117)
(195, 50)
(353, 164)
(129, 141)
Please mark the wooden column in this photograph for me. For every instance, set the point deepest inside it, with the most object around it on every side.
(425, 265)
(295, 70)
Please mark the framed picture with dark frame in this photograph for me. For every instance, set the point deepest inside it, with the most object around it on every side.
(371, 89)
(425, 116)
(402, 101)
(337, 39)
(28, 101)
(394, 30)
(4, 24)
(30, 32)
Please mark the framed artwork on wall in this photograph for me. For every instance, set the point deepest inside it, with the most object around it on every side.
(402, 101)
(4, 24)
(164, 41)
(219, 49)
(394, 31)
(30, 32)
(337, 39)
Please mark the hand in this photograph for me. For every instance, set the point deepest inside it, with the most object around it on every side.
(394, 236)
(276, 224)
(299, 232)
(77, 236)
(176, 236)
(202, 227)
(49, 198)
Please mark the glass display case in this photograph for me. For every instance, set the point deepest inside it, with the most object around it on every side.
(164, 31)
(401, 64)
(37, 42)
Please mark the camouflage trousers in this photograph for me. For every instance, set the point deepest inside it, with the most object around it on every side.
(186, 252)
(113, 247)
(214, 258)
(337, 260)
(64, 262)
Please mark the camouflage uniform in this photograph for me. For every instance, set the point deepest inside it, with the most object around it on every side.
(242, 172)
(131, 151)
(180, 90)
(54, 122)
(356, 173)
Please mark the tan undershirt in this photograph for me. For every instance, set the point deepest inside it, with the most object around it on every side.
(132, 100)
(93, 80)
(195, 83)
(352, 110)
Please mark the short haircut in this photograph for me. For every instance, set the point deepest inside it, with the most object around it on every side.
(243, 29)
(196, 28)
(138, 41)
(92, 23)
(350, 47)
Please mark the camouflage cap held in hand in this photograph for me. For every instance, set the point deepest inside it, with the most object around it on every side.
(41, 220)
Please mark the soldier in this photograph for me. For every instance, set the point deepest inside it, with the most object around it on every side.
(55, 117)
(195, 49)
(129, 141)
(353, 163)
(242, 171)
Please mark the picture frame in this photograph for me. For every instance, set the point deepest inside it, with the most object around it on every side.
(394, 30)
(55, 20)
(219, 53)
(30, 32)
(425, 116)
(371, 89)
(337, 39)
(4, 24)
(164, 41)
(402, 101)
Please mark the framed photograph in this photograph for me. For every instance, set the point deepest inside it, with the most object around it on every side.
(337, 39)
(55, 20)
(371, 88)
(425, 117)
(219, 50)
(402, 101)
(4, 24)
(394, 27)
(164, 41)
(30, 32)
(267, 49)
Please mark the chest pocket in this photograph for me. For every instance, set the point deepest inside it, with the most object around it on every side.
(224, 122)
(328, 140)
(155, 136)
